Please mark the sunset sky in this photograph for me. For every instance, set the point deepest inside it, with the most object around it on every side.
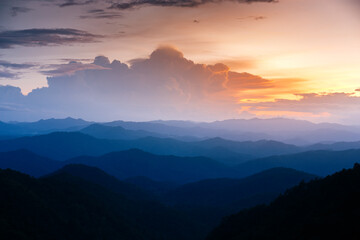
(199, 60)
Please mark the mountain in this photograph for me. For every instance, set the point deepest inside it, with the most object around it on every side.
(61, 145)
(155, 187)
(190, 130)
(27, 162)
(279, 129)
(321, 209)
(107, 132)
(124, 164)
(41, 127)
(240, 193)
(132, 163)
(51, 125)
(97, 176)
(251, 148)
(7, 129)
(320, 162)
(209, 200)
(290, 131)
(75, 144)
(62, 206)
(338, 146)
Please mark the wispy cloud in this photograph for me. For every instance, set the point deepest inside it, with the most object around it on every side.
(69, 3)
(68, 69)
(174, 3)
(16, 10)
(46, 37)
(7, 64)
(101, 14)
(8, 75)
(256, 18)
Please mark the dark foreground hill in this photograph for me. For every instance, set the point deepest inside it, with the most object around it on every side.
(62, 206)
(210, 200)
(322, 209)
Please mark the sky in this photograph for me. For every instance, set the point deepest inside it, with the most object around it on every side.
(199, 60)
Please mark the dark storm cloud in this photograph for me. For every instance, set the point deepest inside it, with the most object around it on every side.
(16, 10)
(45, 37)
(7, 64)
(175, 3)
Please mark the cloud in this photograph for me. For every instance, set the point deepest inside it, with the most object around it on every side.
(68, 69)
(7, 64)
(16, 10)
(101, 14)
(167, 85)
(247, 81)
(256, 18)
(70, 3)
(174, 3)
(164, 85)
(45, 37)
(10, 94)
(7, 74)
(339, 106)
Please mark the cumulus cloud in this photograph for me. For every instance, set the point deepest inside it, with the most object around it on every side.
(45, 37)
(174, 3)
(164, 85)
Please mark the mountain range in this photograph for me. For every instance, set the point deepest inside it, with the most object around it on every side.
(321, 209)
(279, 129)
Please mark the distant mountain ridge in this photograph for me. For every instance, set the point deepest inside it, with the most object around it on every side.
(116, 133)
(75, 144)
(278, 129)
(319, 162)
(42, 126)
